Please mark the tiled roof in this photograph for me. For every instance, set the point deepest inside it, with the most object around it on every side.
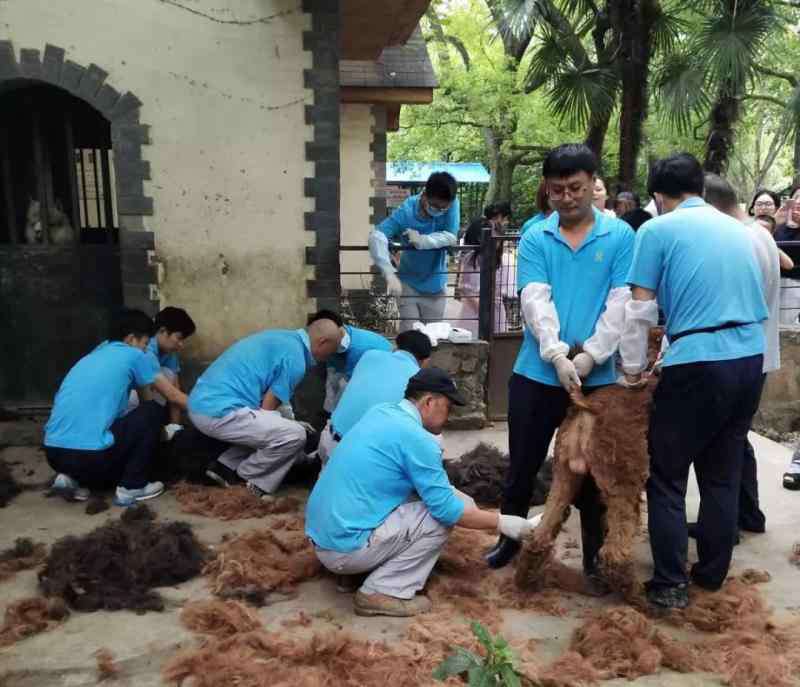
(404, 66)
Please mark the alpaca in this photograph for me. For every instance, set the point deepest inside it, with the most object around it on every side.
(33, 222)
(59, 228)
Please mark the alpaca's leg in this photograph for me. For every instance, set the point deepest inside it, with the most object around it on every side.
(616, 555)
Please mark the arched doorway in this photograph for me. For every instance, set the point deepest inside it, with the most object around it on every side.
(60, 274)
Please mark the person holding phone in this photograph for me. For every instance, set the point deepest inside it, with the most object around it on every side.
(788, 229)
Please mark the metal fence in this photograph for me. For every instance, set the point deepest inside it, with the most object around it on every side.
(481, 293)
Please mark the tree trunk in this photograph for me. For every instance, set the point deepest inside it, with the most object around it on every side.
(501, 169)
(596, 135)
(633, 25)
(724, 116)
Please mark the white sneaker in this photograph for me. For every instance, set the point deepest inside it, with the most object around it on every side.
(67, 487)
(127, 497)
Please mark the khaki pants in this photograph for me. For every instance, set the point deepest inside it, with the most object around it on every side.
(265, 445)
(415, 306)
(400, 553)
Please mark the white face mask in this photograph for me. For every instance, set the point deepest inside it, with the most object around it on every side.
(345, 343)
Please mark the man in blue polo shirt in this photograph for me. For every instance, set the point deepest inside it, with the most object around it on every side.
(701, 265)
(89, 440)
(236, 400)
(362, 517)
(571, 271)
(379, 377)
(355, 343)
(427, 224)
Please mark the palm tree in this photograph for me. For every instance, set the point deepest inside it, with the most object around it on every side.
(710, 75)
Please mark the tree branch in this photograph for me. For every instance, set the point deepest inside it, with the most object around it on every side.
(791, 78)
(766, 98)
(458, 44)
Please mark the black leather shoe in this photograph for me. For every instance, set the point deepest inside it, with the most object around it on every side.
(505, 552)
(493, 550)
(668, 597)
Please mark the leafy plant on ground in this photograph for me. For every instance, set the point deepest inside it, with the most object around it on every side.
(496, 668)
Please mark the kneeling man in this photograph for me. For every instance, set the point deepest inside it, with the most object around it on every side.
(364, 516)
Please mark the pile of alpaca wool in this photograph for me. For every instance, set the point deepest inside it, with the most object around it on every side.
(24, 555)
(233, 503)
(31, 616)
(117, 566)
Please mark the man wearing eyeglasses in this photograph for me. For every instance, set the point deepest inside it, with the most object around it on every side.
(571, 274)
(427, 224)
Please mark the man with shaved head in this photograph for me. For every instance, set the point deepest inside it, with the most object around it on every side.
(238, 400)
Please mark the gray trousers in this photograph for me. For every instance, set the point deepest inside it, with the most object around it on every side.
(326, 444)
(794, 466)
(133, 399)
(400, 553)
(417, 306)
(265, 445)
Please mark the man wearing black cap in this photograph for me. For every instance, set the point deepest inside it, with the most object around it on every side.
(363, 515)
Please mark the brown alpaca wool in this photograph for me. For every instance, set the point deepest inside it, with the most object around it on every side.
(106, 668)
(256, 563)
(117, 565)
(31, 616)
(24, 555)
(233, 503)
(219, 619)
(752, 576)
(95, 505)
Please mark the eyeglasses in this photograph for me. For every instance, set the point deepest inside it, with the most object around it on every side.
(764, 204)
(557, 193)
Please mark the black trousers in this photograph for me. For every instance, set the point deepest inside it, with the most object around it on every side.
(535, 411)
(701, 414)
(751, 517)
(127, 463)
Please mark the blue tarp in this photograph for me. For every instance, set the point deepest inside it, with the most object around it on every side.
(408, 172)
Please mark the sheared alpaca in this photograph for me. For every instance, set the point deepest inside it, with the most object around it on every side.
(59, 230)
(605, 435)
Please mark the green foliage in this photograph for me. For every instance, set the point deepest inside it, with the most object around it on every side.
(494, 669)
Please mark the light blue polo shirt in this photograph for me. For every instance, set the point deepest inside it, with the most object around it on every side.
(384, 459)
(274, 360)
(380, 377)
(580, 282)
(168, 360)
(95, 393)
(424, 270)
(361, 341)
(701, 264)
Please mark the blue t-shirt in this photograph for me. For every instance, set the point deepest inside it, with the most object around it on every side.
(95, 393)
(533, 221)
(168, 360)
(701, 264)
(380, 377)
(384, 459)
(424, 270)
(361, 341)
(274, 360)
(580, 282)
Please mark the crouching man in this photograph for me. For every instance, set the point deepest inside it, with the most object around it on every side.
(238, 400)
(363, 515)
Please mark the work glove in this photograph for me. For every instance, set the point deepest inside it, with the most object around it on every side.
(306, 426)
(632, 381)
(394, 287)
(413, 237)
(286, 411)
(567, 374)
(514, 527)
(171, 430)
(584, 363)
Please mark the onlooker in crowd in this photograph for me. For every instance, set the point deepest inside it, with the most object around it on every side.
(427, 224)
(600, 197)
(629, 209)
(765, 202)
(703, 268)
(543, 205)
(720, 194)
(788, 229)
(572, 271)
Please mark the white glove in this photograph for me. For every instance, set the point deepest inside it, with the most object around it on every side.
(394, 287)
(413, 237)
(584, 363)
(514, 527)
(286, 411)
(639, 383)
(536, 519)
(567, 374)
(306, 426)
(172, 429)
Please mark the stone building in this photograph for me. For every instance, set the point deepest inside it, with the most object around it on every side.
(211, 154)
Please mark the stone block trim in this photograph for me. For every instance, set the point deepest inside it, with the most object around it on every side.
(378, 149)
(322, 41)
(128, 136)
